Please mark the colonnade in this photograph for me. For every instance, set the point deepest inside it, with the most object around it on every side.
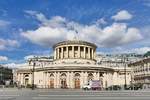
(85, 52)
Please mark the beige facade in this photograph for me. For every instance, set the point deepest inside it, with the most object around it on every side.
(74, 65)
(141, 71)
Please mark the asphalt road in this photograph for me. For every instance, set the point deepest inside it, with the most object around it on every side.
(62, 94)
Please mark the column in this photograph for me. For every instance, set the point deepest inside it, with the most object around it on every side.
(115, 78)
(55, 80)
(95, 75)
(72, 51)
(88, 52)
(30, 78)
(57, 53)
(58, 78)
(55, 57)
(19, 78)
(68, 84)
(22, 79)
(62, 52)
(85, 78)
(71, 80)
(67, 54)
(84, 51)
(92, 54)
(46, 79)
(104, 80)
(81, 79)
(98, 76)
(79, 52)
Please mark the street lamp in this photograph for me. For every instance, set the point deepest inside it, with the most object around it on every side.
(33, 70)
(125, 85)
(124, 64)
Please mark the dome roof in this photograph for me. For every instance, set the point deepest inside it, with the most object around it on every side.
(79, 42)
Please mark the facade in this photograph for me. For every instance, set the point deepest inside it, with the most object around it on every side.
(74, 64)
(141, 72)
(5, 74)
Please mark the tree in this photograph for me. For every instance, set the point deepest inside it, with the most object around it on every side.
(147, 54)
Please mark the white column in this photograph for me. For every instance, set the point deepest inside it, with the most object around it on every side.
(22, 79)
(95, 75)
(30, 78)
(79, 52)
(44, 79)
(58, 80)
(55, 54)
(105, 80)
(85, 78)
(72, 51)
(58, 53)
(71, 80)
(19, 78)
(81, 79)
(92, 54)
(47, 79)
(89, 53)
(68, 84)
(115, 78)
(67, 52)
(84, 48)
(55, 80)
(62, 52)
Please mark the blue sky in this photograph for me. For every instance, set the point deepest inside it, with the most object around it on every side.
(31, 27)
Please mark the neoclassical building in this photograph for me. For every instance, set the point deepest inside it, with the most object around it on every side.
(73, 65)
(141, 72)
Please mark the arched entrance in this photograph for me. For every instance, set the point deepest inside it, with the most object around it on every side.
(63, 81)
(77, 81)
(26, 79)
(51, 81)
(90, 77)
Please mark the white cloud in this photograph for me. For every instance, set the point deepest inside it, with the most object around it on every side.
(140, 50)
(15, 65)
(122, 15)
(4, 44)
(101, 21)
(4, 23)
(28, 57)
(58, 29)
(3, 58)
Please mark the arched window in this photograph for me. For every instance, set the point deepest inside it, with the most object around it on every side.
(77, 81)
(90, 76)
(51, 81)
(63, 80)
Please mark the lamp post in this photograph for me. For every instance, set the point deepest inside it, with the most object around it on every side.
(125, 85)
(33, 70)
(124, 64)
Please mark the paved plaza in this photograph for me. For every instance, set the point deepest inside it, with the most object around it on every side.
(63, 94)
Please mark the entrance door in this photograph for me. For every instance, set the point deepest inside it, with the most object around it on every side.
(51, 83)
(63, 84)
(77, 83)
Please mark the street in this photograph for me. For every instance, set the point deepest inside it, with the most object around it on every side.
(64, 94)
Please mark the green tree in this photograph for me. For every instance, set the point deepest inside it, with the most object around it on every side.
(147, 54)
